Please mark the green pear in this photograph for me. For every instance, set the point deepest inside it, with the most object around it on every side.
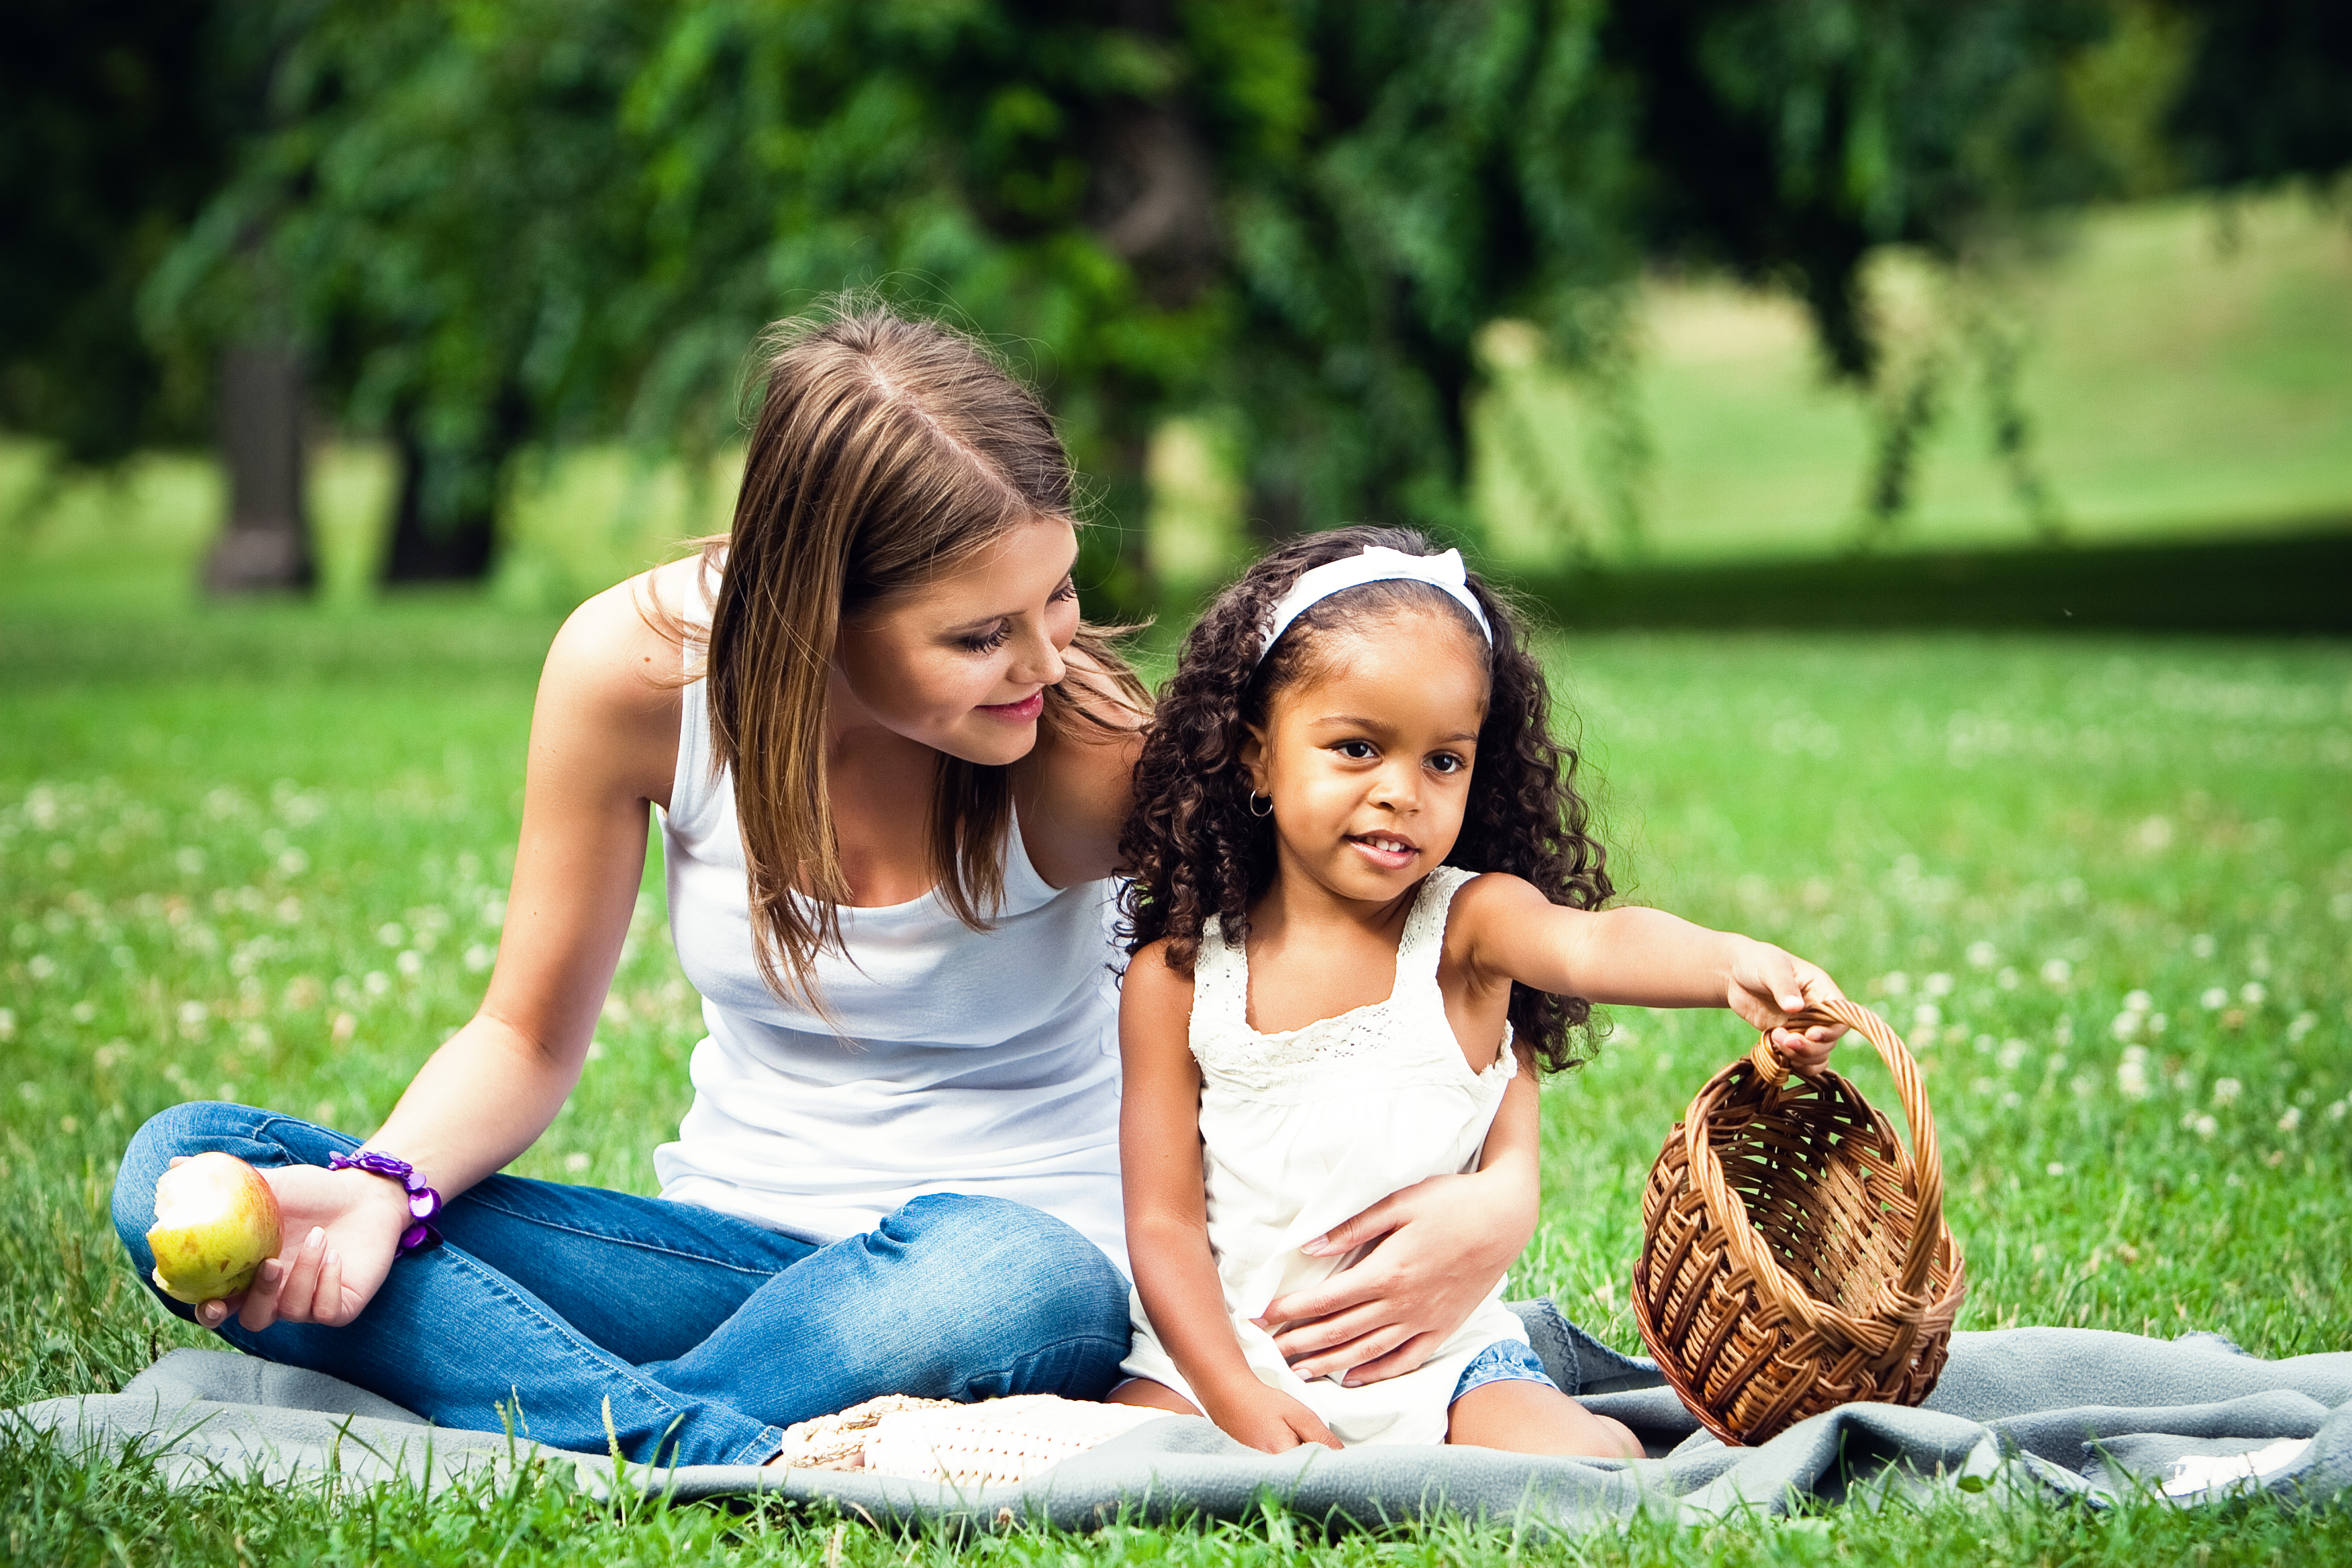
(216, 1221)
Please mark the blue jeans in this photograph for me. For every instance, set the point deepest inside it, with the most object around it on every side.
(706, 1334)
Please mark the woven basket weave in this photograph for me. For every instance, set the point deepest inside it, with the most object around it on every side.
(1795, 1255)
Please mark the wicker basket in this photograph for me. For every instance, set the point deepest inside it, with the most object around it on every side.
(1794, 1256)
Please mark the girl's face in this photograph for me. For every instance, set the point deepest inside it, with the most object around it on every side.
(1367, 760)
(961, 663)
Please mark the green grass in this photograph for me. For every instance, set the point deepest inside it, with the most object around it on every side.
(259, 853)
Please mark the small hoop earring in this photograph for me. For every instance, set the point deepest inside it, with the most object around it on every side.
(1255, 798)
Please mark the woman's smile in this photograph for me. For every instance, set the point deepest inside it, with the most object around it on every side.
(1020, 713)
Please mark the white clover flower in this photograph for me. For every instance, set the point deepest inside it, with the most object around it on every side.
(2131, 1079)
(1895, 983)
(2057, 971)
(410, 963)
(2291, 1120)
(2304, 1024)
(2055, 1168)
(1926, 1016)
(377, 982)
(2008, 979)
(2205, 1126)
(1939, 985)
(2138, 1002)
(41, 966)
(2157, 1022)
(2253, 993)
(2201, 945)
(392, 933)
(479, 957)
(2012, 1053)
(193, 1015)
(1983, 954)
(2336, 1111)
(2226, 1090)
(575, 1162)
(2123, 1025)
(2012, 1100)
(2215, 998)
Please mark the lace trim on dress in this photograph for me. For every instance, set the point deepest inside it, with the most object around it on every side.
(1406, 1032)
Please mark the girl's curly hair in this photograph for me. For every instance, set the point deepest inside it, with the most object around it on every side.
(1192, 846)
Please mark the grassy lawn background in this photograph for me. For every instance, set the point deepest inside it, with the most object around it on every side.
(258, 854)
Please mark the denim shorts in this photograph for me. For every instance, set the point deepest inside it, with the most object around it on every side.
(1504, 1361)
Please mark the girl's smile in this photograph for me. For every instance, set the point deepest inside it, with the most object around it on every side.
(1389, 851)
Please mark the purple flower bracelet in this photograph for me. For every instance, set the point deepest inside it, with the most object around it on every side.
(423, 1203)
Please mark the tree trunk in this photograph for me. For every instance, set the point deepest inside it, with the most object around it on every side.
(425, 549)
(267, 543)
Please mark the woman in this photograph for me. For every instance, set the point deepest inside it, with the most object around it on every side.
(890, 767)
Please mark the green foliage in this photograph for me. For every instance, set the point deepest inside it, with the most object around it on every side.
(494, 226)
(115, 127)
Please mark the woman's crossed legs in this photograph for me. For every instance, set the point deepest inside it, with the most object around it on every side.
(703, 1334)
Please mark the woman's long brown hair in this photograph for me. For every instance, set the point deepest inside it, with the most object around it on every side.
(886, 451)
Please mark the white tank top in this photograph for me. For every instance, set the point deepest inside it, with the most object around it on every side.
(982, 1062)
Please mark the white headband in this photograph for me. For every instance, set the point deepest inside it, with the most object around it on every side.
(1374, 564)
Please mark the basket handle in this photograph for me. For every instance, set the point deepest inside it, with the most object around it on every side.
(1926, 1164)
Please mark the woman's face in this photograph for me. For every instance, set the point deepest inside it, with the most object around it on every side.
(961, 663)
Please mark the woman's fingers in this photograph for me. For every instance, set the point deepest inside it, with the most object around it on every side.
(1359, 1230)
(1320, 1303)
(1407, 1357)
(327, 1304)
(1343, 1359)
(257, 1309)
(286, 1286)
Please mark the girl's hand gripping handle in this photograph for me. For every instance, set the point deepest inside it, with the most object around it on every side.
(1768, 986)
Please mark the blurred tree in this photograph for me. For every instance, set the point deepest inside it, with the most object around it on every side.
(2268, 95)
(113, 132)
(550, 220)
(443, 202)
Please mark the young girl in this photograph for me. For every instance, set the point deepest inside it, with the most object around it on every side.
(1365, 907)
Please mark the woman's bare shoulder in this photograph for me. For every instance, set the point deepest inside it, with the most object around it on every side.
(613, 681)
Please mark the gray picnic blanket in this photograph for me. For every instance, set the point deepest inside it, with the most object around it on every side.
(2079, 1413)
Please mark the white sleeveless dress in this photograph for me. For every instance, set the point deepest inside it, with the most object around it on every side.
(984, 1062)
(1302, 1129)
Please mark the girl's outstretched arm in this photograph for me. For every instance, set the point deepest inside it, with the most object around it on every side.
(1167, 1219)
(1503, 930)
